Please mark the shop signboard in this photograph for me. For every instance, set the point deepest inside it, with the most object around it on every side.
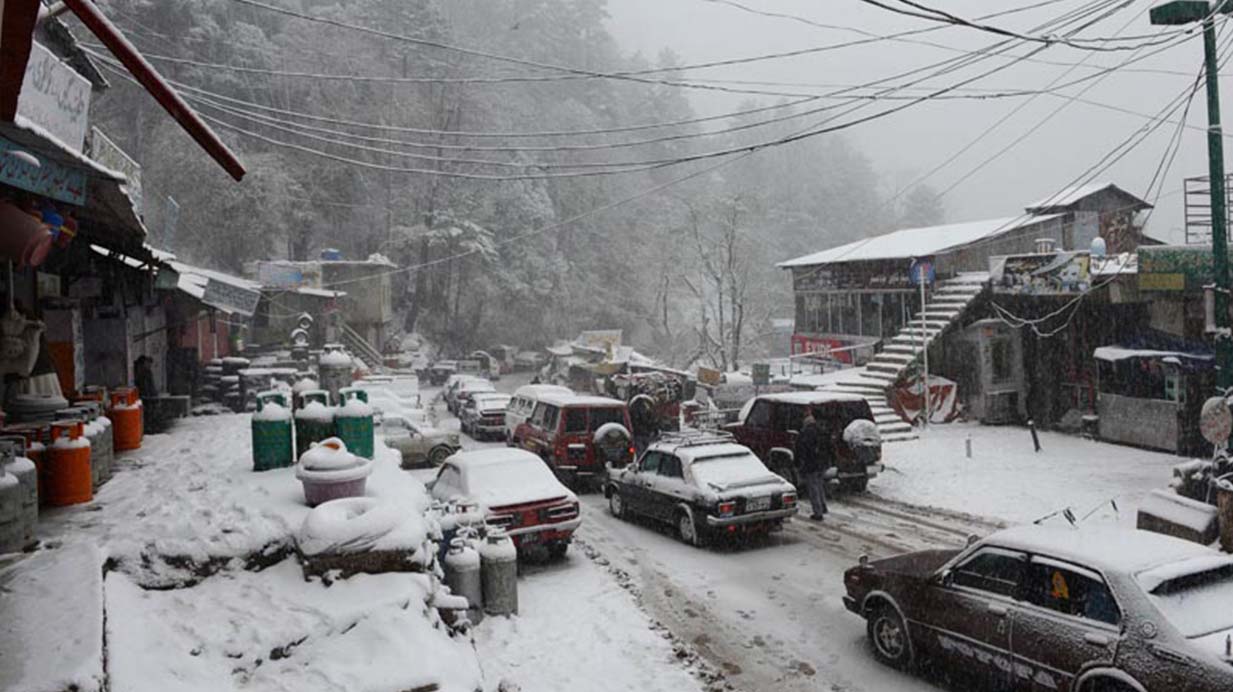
(280, 275)
(710, 376)
(54, 97)
(44, 177)
(761, 374)
(1175, 267)
(1053, 274)
(856, 275)
(109, 154)
(604, 339)
(230, 297)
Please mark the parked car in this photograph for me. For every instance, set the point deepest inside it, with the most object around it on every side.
(529, 360)
(1047, 608)
(515, 491)
(523, 405)
(562, 431)
(704, 485)
(450, 388)
(768, 425)
(465, 390)
(419, 444)
(440, 371)
(385, 402)
(483, 415)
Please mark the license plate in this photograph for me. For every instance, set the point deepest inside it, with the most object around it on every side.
(757, 504)
(529, 538)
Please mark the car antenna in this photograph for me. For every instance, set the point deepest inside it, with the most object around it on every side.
(1065, 513)
(1112, 502)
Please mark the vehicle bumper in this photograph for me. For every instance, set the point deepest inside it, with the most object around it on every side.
(870, 471)
(581, 470)
(489, 429)
(851, 604)
(544, 533)
(751, 518)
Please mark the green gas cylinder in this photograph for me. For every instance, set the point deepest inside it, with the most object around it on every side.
(353, 421)
(272, 445)
(314, 421)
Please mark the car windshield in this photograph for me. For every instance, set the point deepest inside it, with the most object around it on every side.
(728, 470)
(1198, 604)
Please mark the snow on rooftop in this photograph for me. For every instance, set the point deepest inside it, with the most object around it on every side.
(1113, 354)
(917, 242)
(1075, 193)
(815, 397)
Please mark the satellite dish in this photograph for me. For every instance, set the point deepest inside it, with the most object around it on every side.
(1098, 247)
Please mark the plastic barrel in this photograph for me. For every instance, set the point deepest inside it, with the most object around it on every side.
(353, 422)
(310, 424)
(68, 465)
(272, 442)
(125, 422)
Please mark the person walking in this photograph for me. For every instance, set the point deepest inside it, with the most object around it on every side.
(810, 466)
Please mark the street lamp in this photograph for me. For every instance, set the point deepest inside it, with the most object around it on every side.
(1181, 12)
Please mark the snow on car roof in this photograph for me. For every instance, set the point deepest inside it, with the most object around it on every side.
(538, 390)
(479, 458)
(1118, 550)
(571, 399)
(809, 398)
(689, 455)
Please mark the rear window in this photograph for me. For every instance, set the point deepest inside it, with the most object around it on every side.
(723, 471)
(575, 420)
(602, 416)
(1198, 604)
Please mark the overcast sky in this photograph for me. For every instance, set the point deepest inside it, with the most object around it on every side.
(909, 144)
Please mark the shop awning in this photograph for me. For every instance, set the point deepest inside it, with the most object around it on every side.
(1155, 345)
(230, 294)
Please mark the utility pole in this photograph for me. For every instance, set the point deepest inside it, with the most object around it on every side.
(1181, 12)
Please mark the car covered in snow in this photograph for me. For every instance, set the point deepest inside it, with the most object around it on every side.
(439, 372)
(456, 396)
(419, 444)
(1052, 608)
(483, 415)
(769, 424)
(703, 485)
(516, 492)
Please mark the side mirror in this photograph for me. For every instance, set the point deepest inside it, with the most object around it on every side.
(946, 578)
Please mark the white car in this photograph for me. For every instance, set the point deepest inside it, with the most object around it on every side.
(514, 490)
(418, 444)
(386, 403)
(483, 415)
(465, 390)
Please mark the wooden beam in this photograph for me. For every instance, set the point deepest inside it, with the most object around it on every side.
(149, 78)
(16, 34)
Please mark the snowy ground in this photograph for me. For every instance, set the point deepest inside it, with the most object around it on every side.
(1007, 479)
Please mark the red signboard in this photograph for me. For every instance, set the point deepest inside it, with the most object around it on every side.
(802, 344)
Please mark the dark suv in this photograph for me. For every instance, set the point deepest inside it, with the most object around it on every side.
(562, 430)
(769, 424)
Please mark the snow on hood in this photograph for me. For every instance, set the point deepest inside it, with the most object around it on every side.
(514, 483)
(920, 563)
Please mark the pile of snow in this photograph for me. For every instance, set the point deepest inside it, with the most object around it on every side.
(329, 461)
(272, 411)
(276, 632)
(361, 524)
(354, 408)
(315, 411)
(335, 359)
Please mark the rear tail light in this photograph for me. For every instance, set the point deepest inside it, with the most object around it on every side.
(789, 500)
(727, 509)
(563, 512)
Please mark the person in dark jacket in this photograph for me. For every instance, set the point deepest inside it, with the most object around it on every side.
(811, 466)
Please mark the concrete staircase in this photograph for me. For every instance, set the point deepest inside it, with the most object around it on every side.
(358, 345)
(950, 299)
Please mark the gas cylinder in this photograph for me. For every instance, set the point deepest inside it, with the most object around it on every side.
(11, 528)
(314, 421)
(353, 421)
(125, 420)
(334, 370)
(462, 575)
(13, 453)
(272, 442)
(499, 572)
(68, 465)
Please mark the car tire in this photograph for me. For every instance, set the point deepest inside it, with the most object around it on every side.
(687, 529)
(438, 455)
(616, 505)
(1106, 685)
(888, 635)
(854, 485)
(556, 551)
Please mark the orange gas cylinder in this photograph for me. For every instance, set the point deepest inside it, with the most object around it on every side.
(68, 465)
(125, 415)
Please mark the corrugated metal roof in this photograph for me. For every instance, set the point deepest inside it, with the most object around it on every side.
(917, 242)
(1075, 193)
